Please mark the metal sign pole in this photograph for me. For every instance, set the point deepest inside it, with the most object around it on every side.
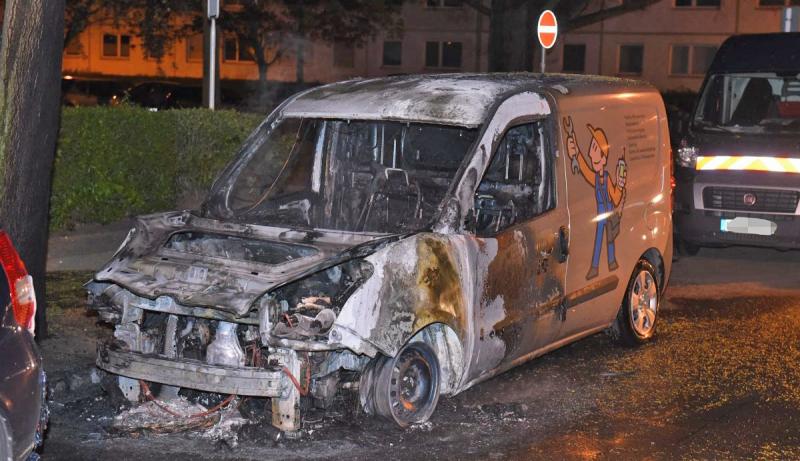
(212, 65)
(212, 11)
(544, 51)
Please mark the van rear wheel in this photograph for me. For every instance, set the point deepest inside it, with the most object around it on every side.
(638, 315)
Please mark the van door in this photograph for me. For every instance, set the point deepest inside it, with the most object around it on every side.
(517, 222)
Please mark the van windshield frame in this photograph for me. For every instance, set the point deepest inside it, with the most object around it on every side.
(371, 176)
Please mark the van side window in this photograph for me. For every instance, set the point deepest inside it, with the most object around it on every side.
(519, 183)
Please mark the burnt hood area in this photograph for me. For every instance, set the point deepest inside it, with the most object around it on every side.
(223, 266)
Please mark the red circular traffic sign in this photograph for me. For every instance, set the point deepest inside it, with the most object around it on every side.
(547, 29)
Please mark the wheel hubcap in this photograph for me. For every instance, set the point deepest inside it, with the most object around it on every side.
(643, 303)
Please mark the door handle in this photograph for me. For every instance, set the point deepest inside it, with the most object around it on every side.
(563, 243)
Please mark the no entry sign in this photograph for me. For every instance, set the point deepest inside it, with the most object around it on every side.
(547, 29)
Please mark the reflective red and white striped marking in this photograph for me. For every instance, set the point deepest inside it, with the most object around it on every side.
(748, 163)
(547, 29)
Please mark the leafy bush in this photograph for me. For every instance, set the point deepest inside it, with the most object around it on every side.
(114, 162)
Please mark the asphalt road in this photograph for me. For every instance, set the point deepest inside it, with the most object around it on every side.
(720, 382)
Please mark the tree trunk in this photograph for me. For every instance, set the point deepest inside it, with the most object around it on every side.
(30, 102)
(300, 61)
(261, 62)
(510, 34)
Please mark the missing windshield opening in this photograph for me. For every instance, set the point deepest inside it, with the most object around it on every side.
(358, 176)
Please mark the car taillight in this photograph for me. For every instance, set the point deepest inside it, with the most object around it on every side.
(20, 284)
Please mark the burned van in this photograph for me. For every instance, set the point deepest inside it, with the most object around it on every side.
(402, 238)
(738, 166)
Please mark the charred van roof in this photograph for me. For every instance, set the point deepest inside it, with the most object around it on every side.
(758, 53)
(450, 99)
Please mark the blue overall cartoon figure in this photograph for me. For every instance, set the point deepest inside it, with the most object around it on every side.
(607, 193)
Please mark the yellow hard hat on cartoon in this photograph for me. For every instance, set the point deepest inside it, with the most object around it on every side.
(600, 138)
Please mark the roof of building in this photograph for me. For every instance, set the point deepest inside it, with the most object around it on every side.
(450, 99)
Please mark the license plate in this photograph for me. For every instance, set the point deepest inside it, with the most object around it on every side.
(753, 226)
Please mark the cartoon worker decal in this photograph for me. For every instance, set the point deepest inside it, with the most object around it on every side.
(608, 194)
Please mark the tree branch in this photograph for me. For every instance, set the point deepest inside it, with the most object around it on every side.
(597, 16)
(478, 6)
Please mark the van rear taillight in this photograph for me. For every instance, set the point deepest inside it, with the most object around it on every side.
(20, 284)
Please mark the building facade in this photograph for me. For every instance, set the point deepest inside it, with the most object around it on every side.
(438, 36)
(670, 44)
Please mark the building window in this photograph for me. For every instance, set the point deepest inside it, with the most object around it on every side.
(344, 55)
(237, 50)
(691, 60)
(702, 55)
(697, 3)
(443, 3)
(444, 54)
(451, 54)
(392, 53)
(431, 54)
(74, 47)
(631, 58)
(116, 46)
(777, 3)
(679, 64)
(194, 48)
(574, 58)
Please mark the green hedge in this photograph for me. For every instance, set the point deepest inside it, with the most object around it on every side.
(114, 162)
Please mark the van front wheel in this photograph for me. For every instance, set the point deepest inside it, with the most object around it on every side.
(638, 315)
(406, 387)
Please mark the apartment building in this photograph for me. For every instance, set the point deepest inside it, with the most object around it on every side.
(438, 36)
(670, 44)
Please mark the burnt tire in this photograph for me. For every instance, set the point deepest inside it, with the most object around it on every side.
(638, 315)
(405, 388)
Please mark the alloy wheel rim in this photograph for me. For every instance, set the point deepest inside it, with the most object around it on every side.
(643, 303)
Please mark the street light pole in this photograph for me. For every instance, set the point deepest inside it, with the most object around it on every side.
(213, 13)
(212, 61)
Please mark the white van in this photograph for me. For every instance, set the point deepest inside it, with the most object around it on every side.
(406, 237)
